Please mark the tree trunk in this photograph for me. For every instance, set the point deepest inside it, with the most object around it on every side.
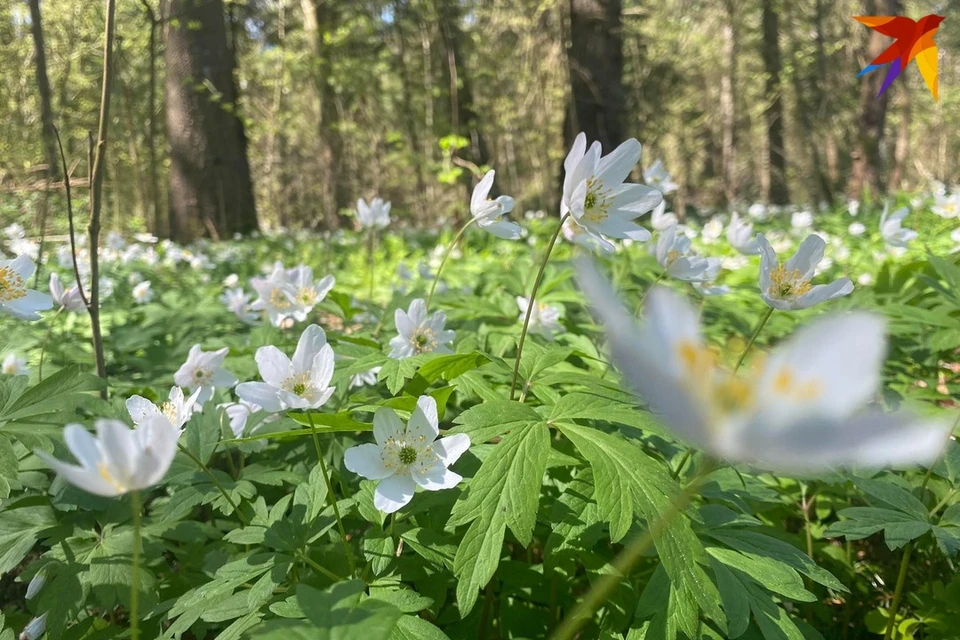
(409, 118)
(868, 165)
(319, 17)
(776, 156)
(595, 62)
(159, 228)
(727, 109)
(211, 192)
(903, 141)
(43, 87)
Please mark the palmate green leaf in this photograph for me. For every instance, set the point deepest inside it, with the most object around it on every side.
(673, 611)
(396, 372)
(416, 628)
(9, 466)
(861, 522)
(338, 614)
(505, 492)
(536, 359)
(627, 483)
(20, 529)
(583, 406)
(494, 418)
(65, 390)
(451, 366)
(883, 494)
(773, 575)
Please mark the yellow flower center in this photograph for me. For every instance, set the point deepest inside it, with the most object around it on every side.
(170, 411)
(424, 340)
(407, 455)
(11, 285)
(672, 256)
(279, 300)
(596, 204)
(105, 474)
(298, 383)
(307, 297)
(787, 284)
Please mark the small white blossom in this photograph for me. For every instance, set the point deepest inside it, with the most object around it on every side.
(853, 207)
(142, 293)
(305, 292)
(891, 231)
(856, 229)
(177, 409)
(741, 237)
(231, 281)
(14, 365)
(660, 219)
(69, 299)
(418, 333)
(544, 318)
(787, 287)
(276, 295)
(375, 215)
(947, 206)
(675, 254)
(238, 302)
(801, 220)
(366, 378)
(658, 178)
(712, 230)
(204, 371)
(488, 212)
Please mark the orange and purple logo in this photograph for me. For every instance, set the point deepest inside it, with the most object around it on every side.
(914, 39)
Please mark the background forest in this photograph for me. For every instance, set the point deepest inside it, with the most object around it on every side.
(328, 101)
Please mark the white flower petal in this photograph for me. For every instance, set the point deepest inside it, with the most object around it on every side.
(365, 460)
(275, 367)
(450, 448)
(312, 340)
(436, 478)
(393, 493)
(260, 393)
(423, 421)
(386, 425)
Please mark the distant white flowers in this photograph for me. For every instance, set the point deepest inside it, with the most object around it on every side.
(741, 237)
(596, 197)
(142, 293)
(289, 293)
(544, 318)
(237, 301)
(119, 459)
(488, 212)
(660, 219)
(675, 254)
(856, 229)
(419, 333)
(203, 371)
(947, 206)
(68, 299)
(802, 410)
(787, 286)
(801, 220)
(300, 383)
(407, 456)
(375, 215)
(177, 409)
(15, 298)
(14, 365)
(658, 178)
(892, 232)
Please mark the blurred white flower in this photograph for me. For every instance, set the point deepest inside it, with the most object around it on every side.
(119, 459)
(544, 318)
(204, 370)
(893, 234)
(741, 237)
(596, 197)
(69, 299)
(853, 207)
(405, 456)
(36, 583)
(134, 278)
(657, 177)
(675, 254)
(238, 413)
(24, 247)
(142, 293)
(947, 206)
(488, 212)
(375, 215)
(856, 228)
(865, 279)
(231, 281)
(146, 238)
(238, 303)
(365, 378)
(787, 287)
(276, 295)
(307, 293)
(177, 409)
(758, 211)
(15, 298)
(14, 365)
(418, 333)
(801, 220)
(712, 230)
(115, 241)
(35, 628)
(660, 219)
(803, 409)
(14, 231)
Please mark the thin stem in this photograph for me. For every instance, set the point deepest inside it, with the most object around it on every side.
(135, 580)
(643, 298)
(898, 591)
(683, 462)
(317, 567)
(372, 258)
(945, 500)
(753, 338)
(531, 301)
(624, 563)
(46, 340)
(330, 496)
(446, 255)
(73, 239)
(216, 483)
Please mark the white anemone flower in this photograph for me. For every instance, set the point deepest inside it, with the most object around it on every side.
(406, 456)
(15, 298)
(365, 378)
(68, 299)
(675, 254)
(544, 318)
(239, 413)
(787, 286)
(853, 207)
(804, 409)
(375, 215)
(237, 301)
(204, 371)
(947, 206)
(142, 293)
(307, 293)
(276, 295)
(118, 459)
(893, 234)
(419, 333)
(658, 178)
(712, 230)
(488, 212)
(14, 365)
(177, 409)
(660, 219)
(800, 220)
(758, 211)
(596, 197)
(301, 383)
(856, 229)
(741, 237)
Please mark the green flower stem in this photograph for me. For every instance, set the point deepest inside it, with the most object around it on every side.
(531, 301)
(135, 579)
(216, 483)
(753, 338)
(625, 561)
(446, 255)
(898, 591)
(372, 258)
(46, 340)
(330, 496)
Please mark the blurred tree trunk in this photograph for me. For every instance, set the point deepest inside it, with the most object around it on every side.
(776, 154)
(868, 165)
(159, 228)
(826, 181)
(408, 116)
(319, 18)
(211, 191)
(43, 87)
(595, 62)
(903, 140)
(728, 122)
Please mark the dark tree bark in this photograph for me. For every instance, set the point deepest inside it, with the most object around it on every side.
(728, 122)
(778, 192)
(211, 192)
(868, 164)
(159, 226)
(43, 88)
(320, 17)
(595, 61)
(409, 117)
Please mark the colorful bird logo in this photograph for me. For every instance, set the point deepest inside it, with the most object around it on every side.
(914, 39)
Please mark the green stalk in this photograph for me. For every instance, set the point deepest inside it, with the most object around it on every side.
(216, 483)
(628, 558)
(531, 301)
(330, 496)
(372, 258)
(446, 255)
(753, 338)
(898, 591)
(135, 580)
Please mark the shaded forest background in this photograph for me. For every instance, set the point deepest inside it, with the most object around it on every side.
(228, 116)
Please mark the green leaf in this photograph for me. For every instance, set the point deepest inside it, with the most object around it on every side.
(414, 628)
(736, 599)
(19, 531)
(888, 494)
(325, 423)
(451, 366)
(772, 574)
(65, 389)
(378, 549)
(860, 522)
(583, 406)
(494, 418)
(339, 615)
(536, 359)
